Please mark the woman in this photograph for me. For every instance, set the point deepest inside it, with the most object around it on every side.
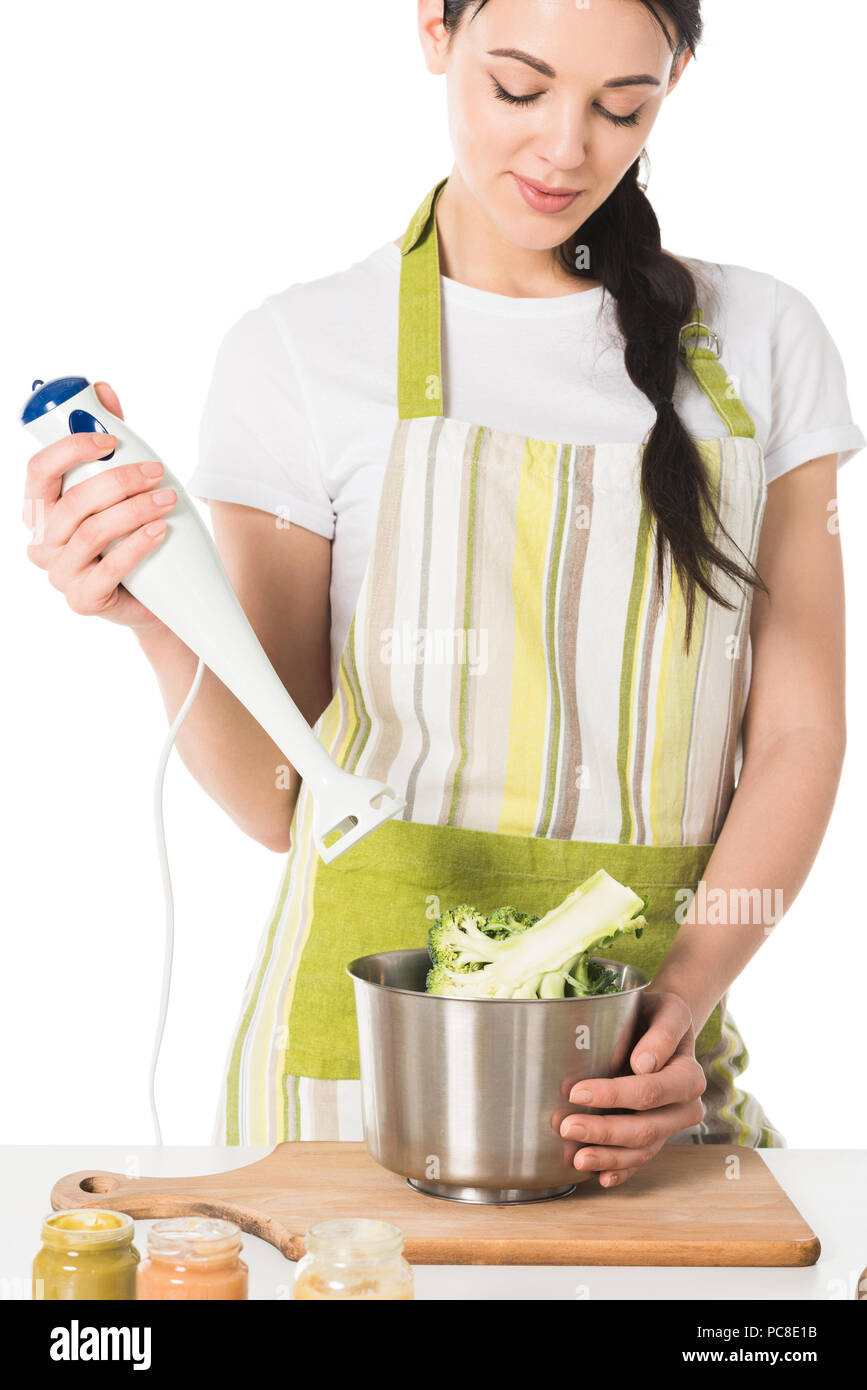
(565, 651)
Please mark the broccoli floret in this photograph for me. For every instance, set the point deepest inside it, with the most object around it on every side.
(588, 977)
(518, 955)
(460, 940)
(457, 939)
(439, 980)
(505, 921)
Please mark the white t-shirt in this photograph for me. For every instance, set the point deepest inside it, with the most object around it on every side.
(302, 405)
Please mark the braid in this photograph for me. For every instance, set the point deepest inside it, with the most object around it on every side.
(655, 296)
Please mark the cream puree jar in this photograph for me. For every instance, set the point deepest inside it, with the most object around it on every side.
(353, 1259)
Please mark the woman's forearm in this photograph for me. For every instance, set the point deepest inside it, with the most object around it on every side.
(772, 833)
(222, 745)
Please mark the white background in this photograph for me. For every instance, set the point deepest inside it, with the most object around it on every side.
(169, 165)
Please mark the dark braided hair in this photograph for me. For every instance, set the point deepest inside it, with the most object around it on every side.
(655, 295)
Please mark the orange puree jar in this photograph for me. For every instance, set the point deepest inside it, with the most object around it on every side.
(86, 1254)
(353, 1259)
(195, 1257)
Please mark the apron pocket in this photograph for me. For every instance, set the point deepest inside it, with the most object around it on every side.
(383, 894)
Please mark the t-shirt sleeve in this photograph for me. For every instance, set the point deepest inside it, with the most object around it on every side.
(257, 444)
(810, 412)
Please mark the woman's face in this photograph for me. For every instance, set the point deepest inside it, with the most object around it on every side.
(558, 117)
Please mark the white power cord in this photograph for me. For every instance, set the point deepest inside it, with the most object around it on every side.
(167, 890)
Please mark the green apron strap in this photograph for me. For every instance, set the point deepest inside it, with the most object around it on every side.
(420, 384)
(712, 376)
(419, 354)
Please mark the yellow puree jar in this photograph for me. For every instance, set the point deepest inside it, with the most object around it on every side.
(353, 1259)
(86, 1254)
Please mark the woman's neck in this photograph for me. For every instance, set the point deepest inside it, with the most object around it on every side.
(474, 252)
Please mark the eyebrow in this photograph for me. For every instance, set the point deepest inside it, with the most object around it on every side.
(643, 79)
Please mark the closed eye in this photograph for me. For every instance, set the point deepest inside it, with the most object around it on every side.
(631, 119)
(501, 93)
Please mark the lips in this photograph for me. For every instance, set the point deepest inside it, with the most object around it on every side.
(552, 192)
(542, 199)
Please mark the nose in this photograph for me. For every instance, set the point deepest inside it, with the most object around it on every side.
(563, 142)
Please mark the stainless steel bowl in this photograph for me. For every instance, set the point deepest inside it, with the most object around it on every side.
(465, 1097)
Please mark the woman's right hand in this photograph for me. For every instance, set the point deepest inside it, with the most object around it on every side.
(69, 532)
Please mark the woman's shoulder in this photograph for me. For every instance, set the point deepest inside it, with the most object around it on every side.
(725, 292)
(329, 312)
(309, 326)
(777, 345)
(743, 298)
(339, 295)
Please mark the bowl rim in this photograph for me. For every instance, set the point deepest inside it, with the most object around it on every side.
(487, 999)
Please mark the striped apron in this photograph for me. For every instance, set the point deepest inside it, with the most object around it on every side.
(509, 670)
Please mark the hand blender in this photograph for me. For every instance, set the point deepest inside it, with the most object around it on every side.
(184, 584)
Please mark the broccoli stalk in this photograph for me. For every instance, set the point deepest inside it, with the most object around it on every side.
(516, 955)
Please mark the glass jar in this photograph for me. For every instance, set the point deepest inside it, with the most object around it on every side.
(86, 1254)
(195, 1257)
(353, 1259)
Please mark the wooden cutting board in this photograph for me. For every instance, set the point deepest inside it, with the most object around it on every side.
(691, 1205)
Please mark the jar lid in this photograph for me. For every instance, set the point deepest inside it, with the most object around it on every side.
(87, 1227)
(350, 1240)
(194, 1238)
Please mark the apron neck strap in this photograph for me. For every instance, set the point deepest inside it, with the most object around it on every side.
(419, 356)
(712, 376)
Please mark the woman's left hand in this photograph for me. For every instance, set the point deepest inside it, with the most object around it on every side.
(666, 1093)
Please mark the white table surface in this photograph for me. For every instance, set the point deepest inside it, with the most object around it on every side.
(828, 1186)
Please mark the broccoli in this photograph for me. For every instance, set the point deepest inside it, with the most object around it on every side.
(580, 978)
(509, 954)
(460, 941)
(503, 921)
(457, 939)
(588, 976)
